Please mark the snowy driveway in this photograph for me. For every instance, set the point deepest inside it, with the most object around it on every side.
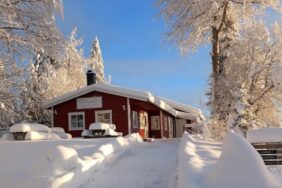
(147, 165)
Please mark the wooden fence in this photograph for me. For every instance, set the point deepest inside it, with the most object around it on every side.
(271, 152)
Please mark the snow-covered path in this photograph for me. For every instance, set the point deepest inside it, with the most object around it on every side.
(146, 165)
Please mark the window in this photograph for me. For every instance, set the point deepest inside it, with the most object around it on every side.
(135, 119)
(76, 121)
(155, 123)
(103, 116)
(165, 123)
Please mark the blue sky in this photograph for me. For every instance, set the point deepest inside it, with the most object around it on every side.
(135, 52)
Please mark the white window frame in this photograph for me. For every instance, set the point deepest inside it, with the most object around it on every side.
(76, 113)
(103, 111)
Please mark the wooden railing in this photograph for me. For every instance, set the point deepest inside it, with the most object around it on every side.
(271, 152)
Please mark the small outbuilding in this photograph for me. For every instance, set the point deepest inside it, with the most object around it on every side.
(130, 110)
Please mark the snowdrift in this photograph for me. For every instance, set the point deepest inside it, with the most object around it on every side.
(203, 165)
(61, 166)
(239, 166)
(194, 157)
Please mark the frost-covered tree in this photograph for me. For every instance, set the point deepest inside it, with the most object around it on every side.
(95, 61)
(227, 39)
(250, 89)
(69, 72)
(42, 78)
(28, 26)
(9, 87)
(193, 23)
(25, 28)
(33, 94)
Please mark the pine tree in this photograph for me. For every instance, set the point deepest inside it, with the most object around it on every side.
(95, 61)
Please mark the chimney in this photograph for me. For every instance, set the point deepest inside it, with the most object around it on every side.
(91, 77)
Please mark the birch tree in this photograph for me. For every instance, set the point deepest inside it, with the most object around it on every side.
(41, 81)
(26, 27)
(193, 23)
(250, 90)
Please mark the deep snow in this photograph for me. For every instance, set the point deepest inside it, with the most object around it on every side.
(234, 164)
(57, 163)
(129, 162)
(147, 165)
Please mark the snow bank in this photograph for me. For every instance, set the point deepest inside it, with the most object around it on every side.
(26, 127)
(34, 135)
(239, 166)
(265, 135)
(64, 135)
(203, 165)
(102, 126)
(57, 130)
(62, 167)
(192, 160)
(65, 157)
(6, 137)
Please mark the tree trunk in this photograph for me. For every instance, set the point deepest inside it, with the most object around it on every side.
(215, 65)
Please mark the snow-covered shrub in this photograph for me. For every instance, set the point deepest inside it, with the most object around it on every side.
(7, 136)
(57, 130)
(36, 135)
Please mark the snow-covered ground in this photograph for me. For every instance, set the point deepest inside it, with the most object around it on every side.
(148, 165)
(57, 163)
(232, 164)
(129, 162)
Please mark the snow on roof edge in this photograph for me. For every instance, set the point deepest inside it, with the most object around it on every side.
(189, 116)
(181, 106)
(164, 104)
(184, 107)
(101, 87)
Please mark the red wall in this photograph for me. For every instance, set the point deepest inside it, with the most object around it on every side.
(110, 102)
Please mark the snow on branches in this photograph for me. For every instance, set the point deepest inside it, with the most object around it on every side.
(95, 60)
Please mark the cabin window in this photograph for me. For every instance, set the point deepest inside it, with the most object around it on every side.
(165, 123)
(155, 123)
(103, 116)
(135, 119)
(76, 121)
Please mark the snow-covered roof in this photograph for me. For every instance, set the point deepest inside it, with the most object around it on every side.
(186, 109)
(190, 116)
(273, 134)
(166, 105)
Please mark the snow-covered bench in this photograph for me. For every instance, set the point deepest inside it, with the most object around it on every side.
(35, 131)
(268, 143)
(97, 130)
